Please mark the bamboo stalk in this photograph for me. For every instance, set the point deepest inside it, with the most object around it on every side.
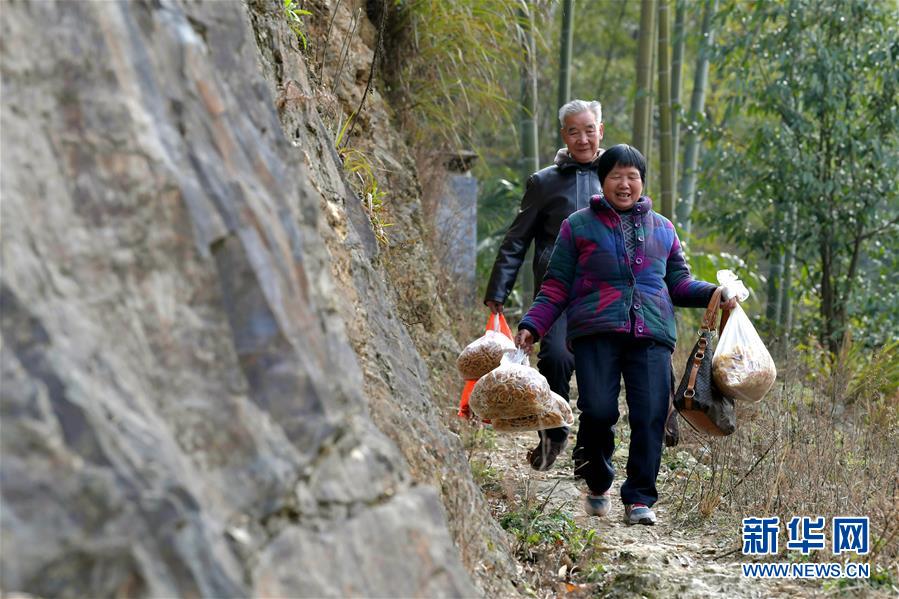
(665, 139)
(643, 100)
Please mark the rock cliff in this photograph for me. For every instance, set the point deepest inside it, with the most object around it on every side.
(212, 375)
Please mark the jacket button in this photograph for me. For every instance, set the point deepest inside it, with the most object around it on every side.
(639, 238)
(639, 329)
(636, 306)
(639, 260)
(637, 224)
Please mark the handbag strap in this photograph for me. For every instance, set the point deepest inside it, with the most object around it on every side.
(708, 325)
(708, 320)
(725, 314)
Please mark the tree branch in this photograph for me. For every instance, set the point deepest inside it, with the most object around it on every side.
(878, 230)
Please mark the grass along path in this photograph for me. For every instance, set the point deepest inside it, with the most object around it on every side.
(564, 552)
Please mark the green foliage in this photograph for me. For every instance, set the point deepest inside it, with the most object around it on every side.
(484, 475)
(475, 438)
(875, 375)
(602, 68)
(449, 59)
(497, 204)
(534, 529)
(294, 16)
(706, 258)
(874, 306)
(881, 579)
(809, 134)
(857, 373)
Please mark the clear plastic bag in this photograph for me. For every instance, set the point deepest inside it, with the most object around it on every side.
(512, 390)
(742, 368)
(484, 353)
(732, 286)
(558, 415)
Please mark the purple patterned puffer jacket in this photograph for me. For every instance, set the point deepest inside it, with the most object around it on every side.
(589, 274)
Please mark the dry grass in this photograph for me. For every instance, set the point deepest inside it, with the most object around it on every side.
(824, 442)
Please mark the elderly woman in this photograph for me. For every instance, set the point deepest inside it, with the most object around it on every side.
(618, 268)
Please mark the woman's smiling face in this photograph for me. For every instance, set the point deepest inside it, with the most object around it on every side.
(622, 186)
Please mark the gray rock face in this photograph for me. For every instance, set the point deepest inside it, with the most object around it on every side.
(387, 296)
(182, 414)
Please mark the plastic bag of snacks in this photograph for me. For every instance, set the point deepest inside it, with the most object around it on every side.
(511, 390)
(495, 322)
(484, 353)
(742, 368)
(558, 415)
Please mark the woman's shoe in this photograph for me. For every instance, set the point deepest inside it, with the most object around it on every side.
(598, 505)
(637, 513)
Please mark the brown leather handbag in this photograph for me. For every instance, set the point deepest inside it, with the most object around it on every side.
(672, 430)
(697, 399)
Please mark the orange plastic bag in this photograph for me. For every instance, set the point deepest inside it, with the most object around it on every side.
(495, 322)
(464, 410)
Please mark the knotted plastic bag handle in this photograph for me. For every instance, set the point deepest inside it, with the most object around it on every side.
(497, 322)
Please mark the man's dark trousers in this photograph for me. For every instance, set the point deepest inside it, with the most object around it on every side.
(600, 362)
(556, 363)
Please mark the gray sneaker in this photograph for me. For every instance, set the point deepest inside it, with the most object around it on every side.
(598, 505)
(637, 513)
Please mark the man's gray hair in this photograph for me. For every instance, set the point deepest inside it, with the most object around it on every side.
(579, 106)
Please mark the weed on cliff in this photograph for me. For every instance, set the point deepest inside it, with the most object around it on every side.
(364, 183)
(293, 14)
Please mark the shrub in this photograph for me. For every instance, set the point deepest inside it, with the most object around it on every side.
(446, 62)
(823, 443)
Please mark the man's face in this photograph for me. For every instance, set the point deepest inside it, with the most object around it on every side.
(622, 186)
(582, 135)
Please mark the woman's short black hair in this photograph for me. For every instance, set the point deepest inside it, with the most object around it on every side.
(621, 155)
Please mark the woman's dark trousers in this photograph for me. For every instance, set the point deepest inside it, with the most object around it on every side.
(556, 363)
(600, 362)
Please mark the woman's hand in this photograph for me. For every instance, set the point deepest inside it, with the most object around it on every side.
(729, 304)
(524, 340)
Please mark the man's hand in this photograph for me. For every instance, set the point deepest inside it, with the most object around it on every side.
(495, 307)
(524, 340)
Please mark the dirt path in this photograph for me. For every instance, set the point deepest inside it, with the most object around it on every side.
(666, 560)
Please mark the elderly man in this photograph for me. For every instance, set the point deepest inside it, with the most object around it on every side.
(552, 194)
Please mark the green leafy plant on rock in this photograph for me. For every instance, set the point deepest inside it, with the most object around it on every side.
(294, 16)
(365, 183)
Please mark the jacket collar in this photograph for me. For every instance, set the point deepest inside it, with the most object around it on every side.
(641, 206)
(564, 161)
